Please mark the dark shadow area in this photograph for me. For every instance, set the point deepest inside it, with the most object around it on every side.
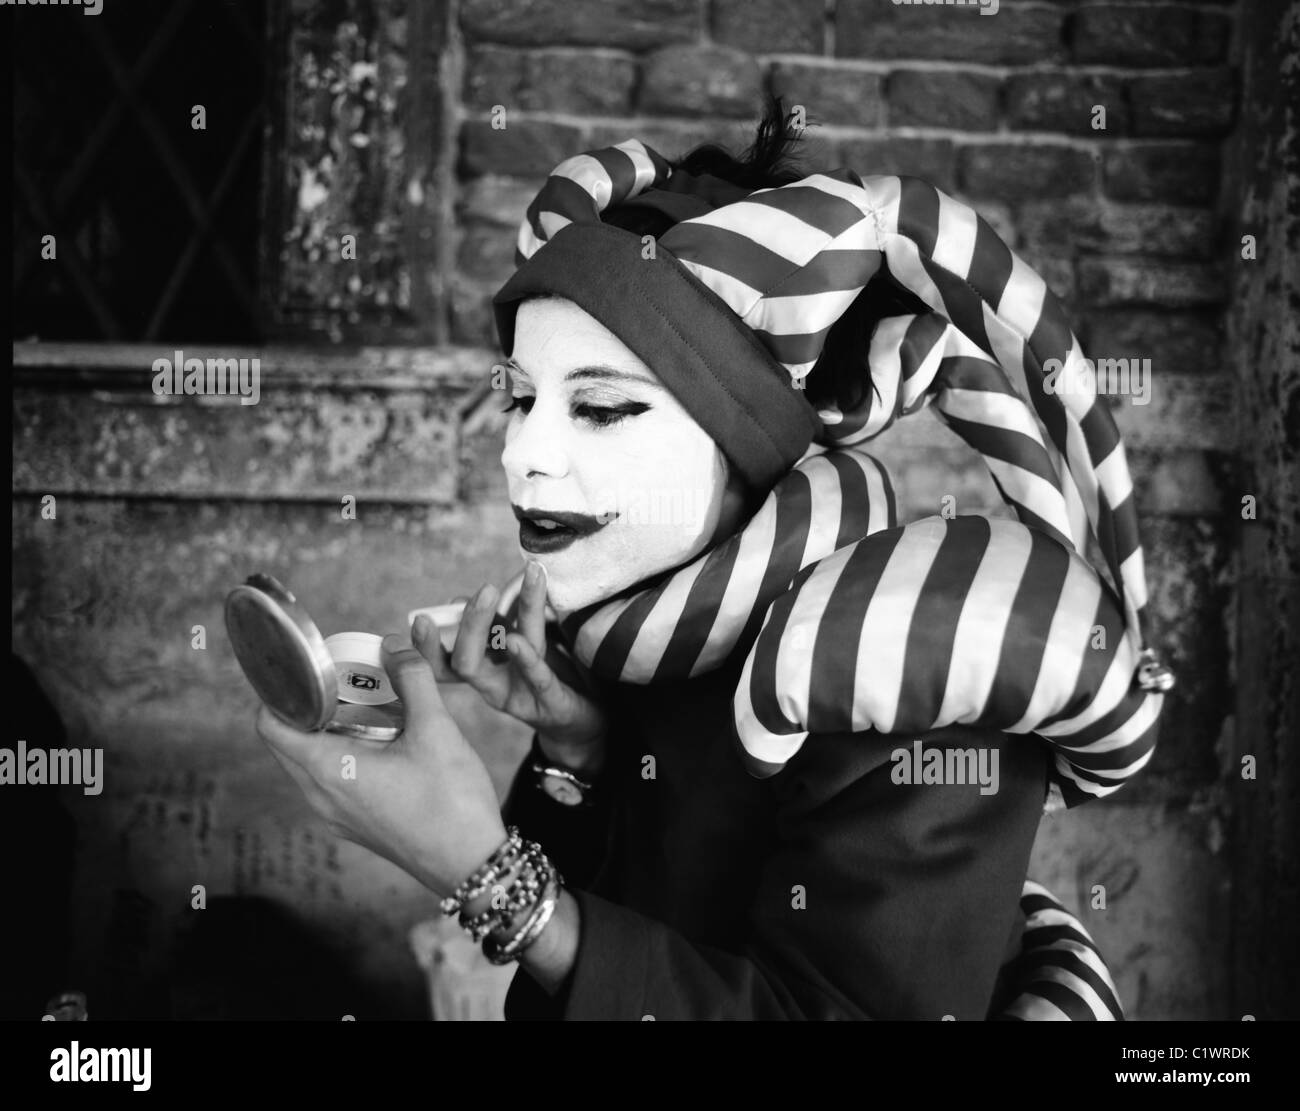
(154, 219)
(38, 839)
(247, 958)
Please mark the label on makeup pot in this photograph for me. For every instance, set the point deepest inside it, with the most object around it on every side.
(358, 660)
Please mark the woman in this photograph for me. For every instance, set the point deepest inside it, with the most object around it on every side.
(780, 742)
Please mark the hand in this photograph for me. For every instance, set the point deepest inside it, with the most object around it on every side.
(424, 801)
(570, 724)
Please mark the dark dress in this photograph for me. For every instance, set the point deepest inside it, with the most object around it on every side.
(827, 891)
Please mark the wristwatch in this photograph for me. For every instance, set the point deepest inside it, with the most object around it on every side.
(559, 784)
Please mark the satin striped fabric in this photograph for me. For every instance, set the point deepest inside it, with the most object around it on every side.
(962, 621)
(1060, 974)
(790, 259)
(582, 187)
(925, 360)
(988, 302)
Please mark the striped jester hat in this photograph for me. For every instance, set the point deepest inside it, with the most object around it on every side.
(733, 304)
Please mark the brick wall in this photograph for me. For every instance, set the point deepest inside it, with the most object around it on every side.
(385, 132)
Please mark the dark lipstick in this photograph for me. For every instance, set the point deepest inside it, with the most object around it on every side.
(551, 530)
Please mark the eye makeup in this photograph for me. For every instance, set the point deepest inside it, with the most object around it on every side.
(600, 416)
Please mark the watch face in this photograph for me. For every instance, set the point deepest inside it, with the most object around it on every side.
(561, 790)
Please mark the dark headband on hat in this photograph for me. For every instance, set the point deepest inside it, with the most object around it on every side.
(713, 364)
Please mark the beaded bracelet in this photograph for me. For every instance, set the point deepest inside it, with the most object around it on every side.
(521, 894)
(536, 885)
(498, 952)
(482, 878)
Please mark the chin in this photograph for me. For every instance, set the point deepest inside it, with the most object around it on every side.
(593, 570)
(574, 583)
(565, 600)
(570, 584)
(567, 591)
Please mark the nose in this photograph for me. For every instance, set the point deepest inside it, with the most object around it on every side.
(537, 444)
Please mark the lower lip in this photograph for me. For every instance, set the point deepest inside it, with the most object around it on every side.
(534, 538)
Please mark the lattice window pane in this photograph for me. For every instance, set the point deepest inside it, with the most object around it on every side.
(156, 223)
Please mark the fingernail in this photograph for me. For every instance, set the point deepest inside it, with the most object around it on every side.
(392, 642)
(422, 626)
(538, 570)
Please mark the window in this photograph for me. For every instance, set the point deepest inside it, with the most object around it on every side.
(155, 221)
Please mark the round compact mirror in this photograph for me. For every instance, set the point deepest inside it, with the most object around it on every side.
(299, 675)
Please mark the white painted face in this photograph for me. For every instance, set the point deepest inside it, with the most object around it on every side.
(593, 432)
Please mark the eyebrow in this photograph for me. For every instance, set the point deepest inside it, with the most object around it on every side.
(597, 371)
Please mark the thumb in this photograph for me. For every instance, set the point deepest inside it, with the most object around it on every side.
(412, 678)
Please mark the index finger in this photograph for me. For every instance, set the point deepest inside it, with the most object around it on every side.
(532, 606)
(472, 637)
(435, 652)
